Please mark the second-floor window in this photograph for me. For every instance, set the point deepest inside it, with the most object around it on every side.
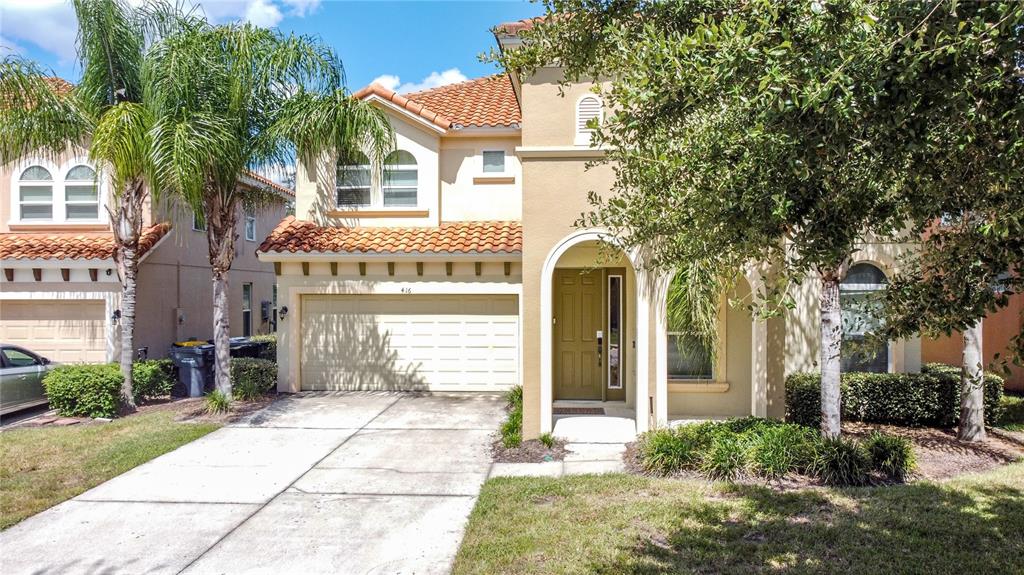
(400, 180)
(494, 161)
(250, 228)
(45, 194)
(394, 185)
(35, 194)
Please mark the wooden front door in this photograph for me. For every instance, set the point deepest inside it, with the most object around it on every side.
(579, 316)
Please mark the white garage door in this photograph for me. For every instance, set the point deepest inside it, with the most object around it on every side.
(63, 330)
(410, 342)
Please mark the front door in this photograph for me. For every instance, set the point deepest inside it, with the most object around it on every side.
(578, 325)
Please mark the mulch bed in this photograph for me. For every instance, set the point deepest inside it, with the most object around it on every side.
(940, 455)
(237, 411)
(532, 451)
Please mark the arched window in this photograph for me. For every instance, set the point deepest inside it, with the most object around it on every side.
(400, 180)
(861, 316)
(35, 194)
(81, 194)
(353, 184)
(587, 109)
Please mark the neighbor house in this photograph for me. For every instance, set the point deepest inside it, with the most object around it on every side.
(59, 290)
(455, 265)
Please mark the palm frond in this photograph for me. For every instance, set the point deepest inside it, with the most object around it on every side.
(36, 117)
(336, 122)
(121, 142)
(110, 50)
(694, 298)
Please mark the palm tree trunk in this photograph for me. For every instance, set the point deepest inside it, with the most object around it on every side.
(127, 217)
(221, 237)
(972, 388)
(831, 340)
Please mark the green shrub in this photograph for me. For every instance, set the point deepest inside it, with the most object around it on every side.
(152, 378)
(890, 455)
(668, 450)
(929, 398)
(512, 427)
(725, 459)
(781, 449)
(840, 461)
(217, 402)
(269, 351)
(547, 439)
(252, 378)
(86, 390)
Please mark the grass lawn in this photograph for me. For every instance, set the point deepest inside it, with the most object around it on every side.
(42, 466)
(629, 524)
(1013, 413)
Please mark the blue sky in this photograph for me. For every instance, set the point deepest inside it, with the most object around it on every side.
(404, 45)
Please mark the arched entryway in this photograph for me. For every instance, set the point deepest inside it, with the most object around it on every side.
(595, 319)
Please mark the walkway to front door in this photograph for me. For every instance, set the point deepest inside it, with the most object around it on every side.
(316, 483)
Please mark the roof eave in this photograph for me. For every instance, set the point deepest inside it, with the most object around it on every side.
(276, 256)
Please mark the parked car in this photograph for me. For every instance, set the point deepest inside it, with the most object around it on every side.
(21, 378)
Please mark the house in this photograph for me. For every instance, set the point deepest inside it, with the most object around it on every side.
(59, 290)
(455, 265)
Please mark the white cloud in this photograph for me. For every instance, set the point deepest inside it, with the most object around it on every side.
(8, 46)
(301, 8)
(51, 25)
(433, 80)
(263, 13)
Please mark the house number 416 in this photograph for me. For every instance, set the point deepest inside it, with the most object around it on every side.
(406, 290)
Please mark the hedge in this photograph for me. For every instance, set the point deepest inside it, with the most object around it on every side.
(252, 378)
(86, 390)
(930, 398)
(152, 378)
(269, 351)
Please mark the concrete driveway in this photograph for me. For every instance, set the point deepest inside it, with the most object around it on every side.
(315, 483)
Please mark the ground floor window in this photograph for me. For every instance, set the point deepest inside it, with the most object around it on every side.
(247, 309)
(861, 317)
(689, 355)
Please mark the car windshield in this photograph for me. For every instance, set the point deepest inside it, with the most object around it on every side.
(18, 358)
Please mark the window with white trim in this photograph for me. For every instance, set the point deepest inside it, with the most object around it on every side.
(354, 182)
(588, 111)
(44, 193)
(81, 194)
(400, 180)
(198, 222)
(250, 228)
(689, 357)
(35, 194)
(861, 311)
(494, 161)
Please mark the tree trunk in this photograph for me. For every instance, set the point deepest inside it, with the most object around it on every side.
(126, 214)
(831, 341)
(221, 236)
(972, 387)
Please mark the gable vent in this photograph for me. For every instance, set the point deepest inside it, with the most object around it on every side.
(587, 109)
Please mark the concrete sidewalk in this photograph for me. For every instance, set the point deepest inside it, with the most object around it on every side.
(358, 482)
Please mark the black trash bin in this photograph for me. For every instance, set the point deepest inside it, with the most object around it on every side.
(195, 367)
(244, 347)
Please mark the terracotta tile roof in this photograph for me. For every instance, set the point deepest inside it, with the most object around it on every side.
(294, 236)
(403, 102)
(270, 183)
(514, 28)
(483, 102)
(71, 245)
(60, 86)
(488, 101)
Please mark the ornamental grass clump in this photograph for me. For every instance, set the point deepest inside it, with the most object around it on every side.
(840, 461)
(512, 427)
(890, 455)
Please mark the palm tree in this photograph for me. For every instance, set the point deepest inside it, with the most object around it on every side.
(106, 114)
(230, 99)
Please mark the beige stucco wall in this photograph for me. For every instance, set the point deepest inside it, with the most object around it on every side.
(464, 200)
(550, 119)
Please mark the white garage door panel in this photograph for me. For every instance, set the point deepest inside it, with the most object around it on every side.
(68, 331)
(436, 342)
